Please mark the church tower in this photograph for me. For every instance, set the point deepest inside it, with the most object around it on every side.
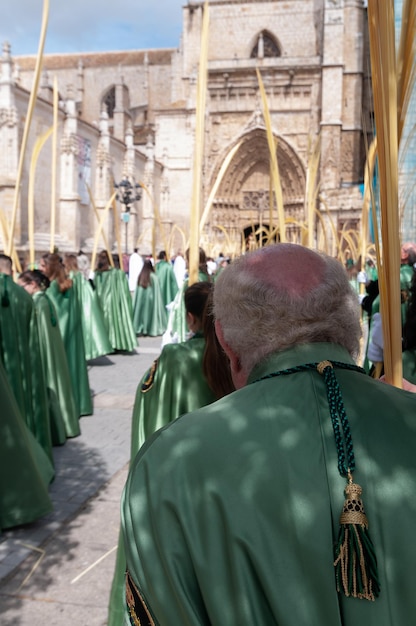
(311, 56)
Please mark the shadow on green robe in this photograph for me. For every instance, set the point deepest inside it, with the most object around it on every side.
(116, 302)
(174, 385)
(25, 470)
(62, 406)
(21, 356)
(70, 323)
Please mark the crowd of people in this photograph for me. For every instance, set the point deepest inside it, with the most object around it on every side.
(374, 362)
(55, 318)
(246, 431)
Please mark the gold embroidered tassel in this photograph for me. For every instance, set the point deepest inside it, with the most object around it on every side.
(355, 562)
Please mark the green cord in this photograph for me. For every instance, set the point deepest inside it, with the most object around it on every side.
(340, 425)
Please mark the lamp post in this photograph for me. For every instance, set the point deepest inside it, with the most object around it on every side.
(129, 193)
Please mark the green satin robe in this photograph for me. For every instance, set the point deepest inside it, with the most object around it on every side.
(25, 470)
(230, 514)
(175, 384)
(116, 302)
(94, 329)
(70, 323)
(149, 312)
(62, 405)
(167, 281)
(21, 357)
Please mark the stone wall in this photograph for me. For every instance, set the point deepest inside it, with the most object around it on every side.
(313, 58)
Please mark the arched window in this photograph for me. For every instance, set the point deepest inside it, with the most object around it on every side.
(110, 102)
(266, 46)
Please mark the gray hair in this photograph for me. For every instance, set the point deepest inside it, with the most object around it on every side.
(258, 316)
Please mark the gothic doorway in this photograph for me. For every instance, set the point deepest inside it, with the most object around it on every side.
(243, 205)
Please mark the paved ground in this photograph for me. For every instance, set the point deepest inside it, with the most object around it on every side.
(59, 570)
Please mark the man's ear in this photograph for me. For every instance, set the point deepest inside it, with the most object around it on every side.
(238, 374)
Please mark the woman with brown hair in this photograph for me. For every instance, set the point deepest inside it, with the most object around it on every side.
(21, 355)
(113, 292)
(177, 327)
(63, 412)
(167, 279)
(215, 363)
(175, 384)
(65, 300)
(94, 328)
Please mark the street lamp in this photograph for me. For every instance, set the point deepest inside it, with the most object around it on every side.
(129, 193)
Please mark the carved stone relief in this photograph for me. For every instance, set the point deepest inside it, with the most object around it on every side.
(244, 193)
(8, 117)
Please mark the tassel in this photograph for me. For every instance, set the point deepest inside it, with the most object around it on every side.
(355, 560)
(355, 563)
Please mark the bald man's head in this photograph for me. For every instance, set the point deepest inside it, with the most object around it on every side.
(288, 267)
(283, 295)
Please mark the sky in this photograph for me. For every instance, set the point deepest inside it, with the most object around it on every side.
(91, 25)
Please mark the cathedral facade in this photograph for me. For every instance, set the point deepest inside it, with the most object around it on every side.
(133, 115)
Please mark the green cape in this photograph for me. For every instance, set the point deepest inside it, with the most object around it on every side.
(149, 312)
(21, 356)
(230, 513)
(174, 385)
(70, 323)
(62, 406)
(116, 302)
(167, 281)
(94, 329)
(25, 470)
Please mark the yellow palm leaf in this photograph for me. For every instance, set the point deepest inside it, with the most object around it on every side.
(272, 143)
(40, 142)
(29, 115)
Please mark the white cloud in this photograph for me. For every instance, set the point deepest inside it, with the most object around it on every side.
(92, 25)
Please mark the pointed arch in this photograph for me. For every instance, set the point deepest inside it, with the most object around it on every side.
(109, 101)
(243, 197)
(265, 45)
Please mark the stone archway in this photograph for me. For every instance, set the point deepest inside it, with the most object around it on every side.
(243, 197)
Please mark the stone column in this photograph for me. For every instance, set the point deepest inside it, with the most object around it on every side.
(352, 164)
(9, 139)
(118, 115)
(103, 180)
(45, 89)
(147, 218)
(69, 201)
(332, 94)
(165, 189)
(104, 184)
(80, 85)
(128, 172)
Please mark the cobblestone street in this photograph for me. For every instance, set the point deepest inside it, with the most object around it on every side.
(59, 570)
